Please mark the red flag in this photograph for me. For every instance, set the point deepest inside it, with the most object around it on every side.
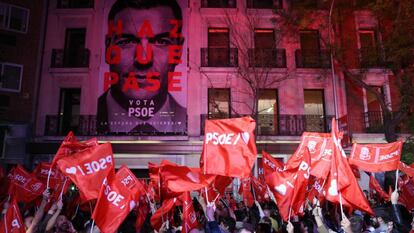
(118, 196)
(70, 146)
(341, 180)
(163, 213)
(229, 148)
(259, 189)
(316, 189)
(374, 185)
(88, 168)
(156, 185)
(271, 164)
(408, 170)
(59, 184)
(189, 215)
(24, 186)
(142, 212)
(182, 178)
(320, 148)
(12, 220)
(246, 192)
(376, 157)
(407, 194)
(289, 187)
(217, 188)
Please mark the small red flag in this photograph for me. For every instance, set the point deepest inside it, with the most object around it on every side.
(24, 186)
(163, 213)
(182, 178)
(407, 194)
(229, 148)
(376, 157)
(408, 170)
(12, 221)
(189, 215)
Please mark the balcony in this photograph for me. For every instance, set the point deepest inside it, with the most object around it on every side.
(219, 57)
(74, 4)
(312, 59)
(272, 58)
(264, 4)
(283, 125)
(309, 4)
(219, 3)
(370, 58)
(78, 58)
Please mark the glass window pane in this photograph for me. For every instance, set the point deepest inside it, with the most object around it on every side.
(314, 102)
(267, 107)
(18, 19)
(264, 38)
(11, 77)
(218, 103)
(3, 14)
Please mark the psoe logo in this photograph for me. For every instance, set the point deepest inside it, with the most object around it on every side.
(364, 154)
(227, 139)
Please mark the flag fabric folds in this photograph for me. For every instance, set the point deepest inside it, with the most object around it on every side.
(376, 157)
(12, 221)
(24, 186)
(229, 148)
(189, 214)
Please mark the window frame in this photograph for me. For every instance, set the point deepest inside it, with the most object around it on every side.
(218, 89)
(6, 24)
(3, 64)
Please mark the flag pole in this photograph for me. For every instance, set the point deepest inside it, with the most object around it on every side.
(93, 221)
(341, 205)
(396, 179)
(48, 177)
(63, 187)
(253, 191)
(205, 189)
(290, 213)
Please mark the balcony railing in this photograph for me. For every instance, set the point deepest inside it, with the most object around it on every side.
(264, 4)
(312, 59)
(275, 58)
(218, 3)
(76, 58)
(219, 57)
(309, 4)
(283, 125)
(374, 122)
(370, 58)
(64, 4)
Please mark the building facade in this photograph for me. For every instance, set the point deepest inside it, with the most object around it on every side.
(237, 59)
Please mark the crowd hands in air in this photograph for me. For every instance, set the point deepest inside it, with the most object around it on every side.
(226, 215)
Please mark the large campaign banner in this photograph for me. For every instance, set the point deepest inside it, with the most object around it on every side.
(144, 87)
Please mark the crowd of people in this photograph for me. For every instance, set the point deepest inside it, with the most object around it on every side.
(226, 215)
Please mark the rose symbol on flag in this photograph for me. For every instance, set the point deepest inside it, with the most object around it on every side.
(333, 189)
(281, 189)
(245, 137)
(71, 170)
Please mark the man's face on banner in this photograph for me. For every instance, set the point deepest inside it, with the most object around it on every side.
(132, 20)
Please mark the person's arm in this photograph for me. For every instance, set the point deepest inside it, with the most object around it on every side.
(346, 225)
(40, 212)
(317, 213)
(289, 227)
(55, 213)
(211, 221)
(396, 212)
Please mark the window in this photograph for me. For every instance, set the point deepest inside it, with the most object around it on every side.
(218, 46)
(218, 103)
(69, 110)
(369, 55)
(14, 18)
(75, 4)
(314, 110)
(264, 38)
(264, 4)
(74, 53)
(268, 111)
(10, 77)
(218, 3)
(310, 55)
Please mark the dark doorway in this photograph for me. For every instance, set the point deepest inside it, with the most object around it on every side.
(69, 110)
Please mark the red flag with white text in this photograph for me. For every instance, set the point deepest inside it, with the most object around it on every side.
(376, 157)
(320, 147)
(12, 221)
(118, 196)
(229, 147)
(59, 183)
(24, 186)
(189, 215)
(88, 168)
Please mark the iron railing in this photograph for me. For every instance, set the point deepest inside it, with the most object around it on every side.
(76, 58)
(312, 59)
(65, 4)
(274, 58)
(219, 3)
(282, 125)
(219, 57)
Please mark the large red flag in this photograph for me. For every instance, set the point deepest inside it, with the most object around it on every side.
(24, 186)
(320, 148)
(88, 168)
(229, 148)
(376, 157)
(341, 179)
(189, 215)
(12, 220)
(374, 185)
(408, 170)
(70, 146)
(182, 178)
(163, 213)
(118, 196)
(289, 187)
